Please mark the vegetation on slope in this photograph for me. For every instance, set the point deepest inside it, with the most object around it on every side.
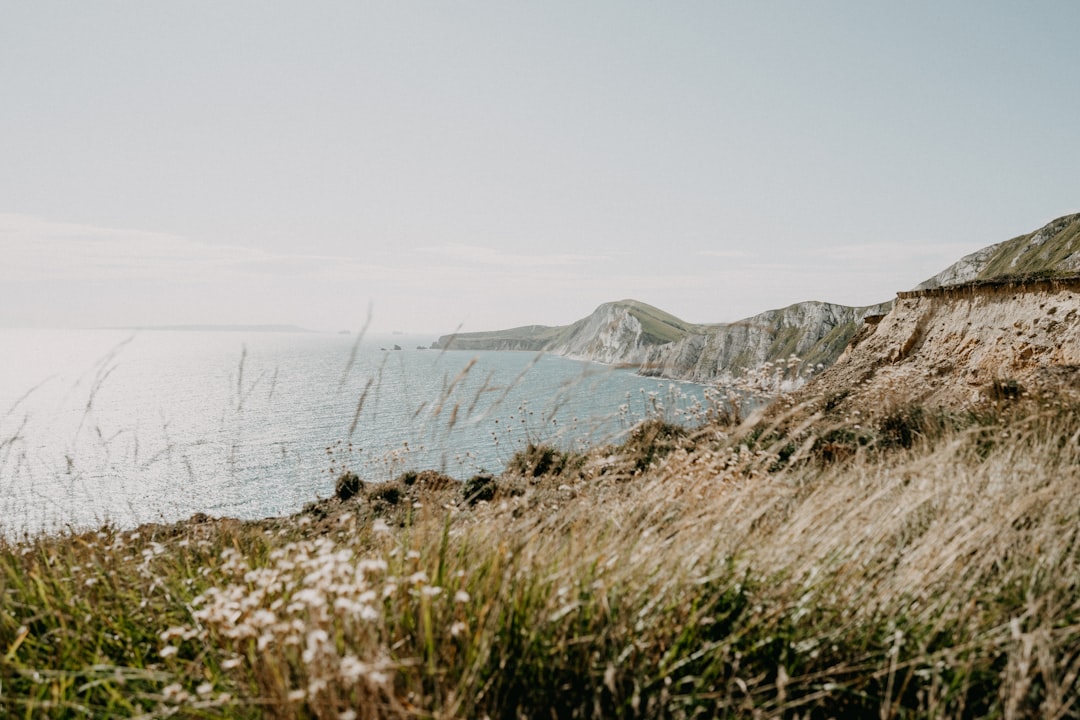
(658, 327)
(1051, 250)
(529, 337)
(903, 562)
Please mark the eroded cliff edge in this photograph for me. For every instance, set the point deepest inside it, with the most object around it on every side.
(963, 344)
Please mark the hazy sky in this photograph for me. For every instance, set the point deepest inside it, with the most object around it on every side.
(505, 163)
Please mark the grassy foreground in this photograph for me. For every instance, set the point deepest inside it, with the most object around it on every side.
(909, 565)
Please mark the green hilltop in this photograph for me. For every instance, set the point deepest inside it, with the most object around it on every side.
(1051, 250)
(658, 328)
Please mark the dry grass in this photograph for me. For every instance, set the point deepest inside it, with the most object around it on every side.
(740, 572)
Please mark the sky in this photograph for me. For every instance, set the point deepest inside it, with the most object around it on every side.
(484, 165)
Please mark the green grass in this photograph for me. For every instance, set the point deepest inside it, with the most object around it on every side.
(1014, 258)
(657, 326)
(932, 571)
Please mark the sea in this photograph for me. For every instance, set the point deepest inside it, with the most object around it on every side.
(127, 427)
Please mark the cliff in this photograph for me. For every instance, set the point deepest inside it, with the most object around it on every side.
(815, 332)
(659, 344)
(1053, 249)
(533, 338)
(621, 333)
(972, 297)
(964, 343)
(617, 333)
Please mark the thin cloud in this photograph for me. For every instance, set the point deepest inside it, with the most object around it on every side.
(888, 253)
(726, 254)
(491, 256)
(37, 249)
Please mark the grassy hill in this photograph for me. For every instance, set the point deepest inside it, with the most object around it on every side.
(1053, 249)
(658, 327)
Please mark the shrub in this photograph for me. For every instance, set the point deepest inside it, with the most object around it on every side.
(348, 486)
(539, 460)
(479, 488)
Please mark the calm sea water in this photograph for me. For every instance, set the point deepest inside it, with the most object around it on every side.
(130, 427)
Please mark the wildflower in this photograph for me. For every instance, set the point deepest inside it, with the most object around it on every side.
(458, 628)
(173, 632)
(352, 668)
(204, 689)
(316, 641)
(169, 651)
(461, 597)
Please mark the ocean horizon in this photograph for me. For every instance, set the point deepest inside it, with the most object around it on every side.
(125, 426)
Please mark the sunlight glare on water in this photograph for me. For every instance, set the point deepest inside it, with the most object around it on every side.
(130, 427)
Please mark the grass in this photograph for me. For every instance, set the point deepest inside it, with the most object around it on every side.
(1014, 257)
(657, 328)
(930, 570)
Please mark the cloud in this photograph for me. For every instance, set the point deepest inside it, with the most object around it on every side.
(493, 257)
(887, 253)
(728, 254)
(40, 250)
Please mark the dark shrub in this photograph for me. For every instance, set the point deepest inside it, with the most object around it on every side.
(651, 441)
(426, 480)
(1006, 390)
(389, 493)
(348, 486)
(479, 487)
(901, 427)
(539, 460)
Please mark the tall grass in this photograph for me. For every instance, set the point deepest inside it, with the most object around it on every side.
(738, 572)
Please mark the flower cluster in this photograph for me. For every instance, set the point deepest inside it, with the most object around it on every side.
(293, 612)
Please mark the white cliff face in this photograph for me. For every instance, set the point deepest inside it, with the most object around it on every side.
(815, 332)
(631, 333)
(609, 335)
(1052, 249)
(950, 346)
(963, 270)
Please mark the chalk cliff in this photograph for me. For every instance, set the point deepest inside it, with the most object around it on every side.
(815, 332)
(658, 344)
(617, 333)
(1053, 249)
(986, 314)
